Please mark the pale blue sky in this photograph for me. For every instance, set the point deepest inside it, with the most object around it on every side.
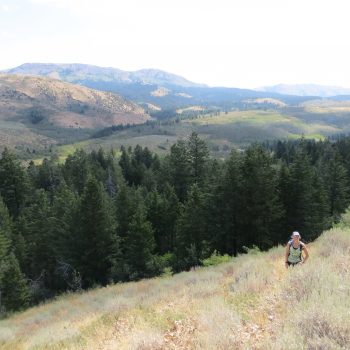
(242, 43)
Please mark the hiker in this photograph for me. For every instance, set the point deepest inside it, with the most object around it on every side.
(294, 251)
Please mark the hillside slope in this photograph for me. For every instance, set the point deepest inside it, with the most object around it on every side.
(252, 302)
(32, 109)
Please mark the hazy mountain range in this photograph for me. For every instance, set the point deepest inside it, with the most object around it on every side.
(306, 90)
(76, 72)
(153, 89)
(86, 74)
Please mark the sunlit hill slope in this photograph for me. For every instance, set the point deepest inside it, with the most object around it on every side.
(38, 112)
(251, 302)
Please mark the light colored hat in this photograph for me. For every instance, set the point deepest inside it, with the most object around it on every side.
(295, 233)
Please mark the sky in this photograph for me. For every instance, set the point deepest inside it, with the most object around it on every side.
(234, 43)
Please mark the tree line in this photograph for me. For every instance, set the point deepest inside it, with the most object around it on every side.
(105, 217)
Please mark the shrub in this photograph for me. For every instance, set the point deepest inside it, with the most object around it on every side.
(216, 259)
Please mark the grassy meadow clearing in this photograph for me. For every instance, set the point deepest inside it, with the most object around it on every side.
(250, 302)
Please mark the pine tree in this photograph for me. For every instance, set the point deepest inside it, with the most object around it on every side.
(306, 198)
(13, 286)
(191, 230)
(35, 224)
(5, 231)
(76, 170)
(198, 157)
(96, 243)
(162, 212)
(126, 203)
(48, 176)
(140, 245)
(262, 208)
(284, 183)
(318, 217)
(227, 209)
(125, 164)
(336, 182)
(13, 182)
(180, 168)
(63, 224)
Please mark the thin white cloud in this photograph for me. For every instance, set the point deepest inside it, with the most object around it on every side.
(52, 2)
(4, 8)
(4, 34)
(8, 8)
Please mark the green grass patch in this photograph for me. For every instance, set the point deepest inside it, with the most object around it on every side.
(216, 259)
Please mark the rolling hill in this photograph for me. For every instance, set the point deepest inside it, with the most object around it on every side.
(37, 112)
(222, 131)
(251, 302)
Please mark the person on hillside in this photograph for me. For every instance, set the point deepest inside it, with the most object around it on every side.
(295, 251)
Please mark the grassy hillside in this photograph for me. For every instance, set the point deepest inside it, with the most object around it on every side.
(222, 131)
(251, 302)
(38, 112)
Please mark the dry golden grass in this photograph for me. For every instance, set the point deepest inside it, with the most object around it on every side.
(252, 302)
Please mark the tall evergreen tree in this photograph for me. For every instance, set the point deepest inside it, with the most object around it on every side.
(5, 231)
(96, 244)
(262, 208)
(140, 245)
(48, 176)
(126, 204)
(76, 170)
(227, 210)
(306, 197)
(336, 181)
(34, 224)
(13, 285)
(284, 183)
(180, 168)
(13, 182)
(64, 224)
(191, 230)
(198, 157)
(125, 164)
(162, 212)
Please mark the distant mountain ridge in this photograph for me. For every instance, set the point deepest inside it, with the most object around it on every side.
(165, 92)
(306, 90)
(75, 72)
